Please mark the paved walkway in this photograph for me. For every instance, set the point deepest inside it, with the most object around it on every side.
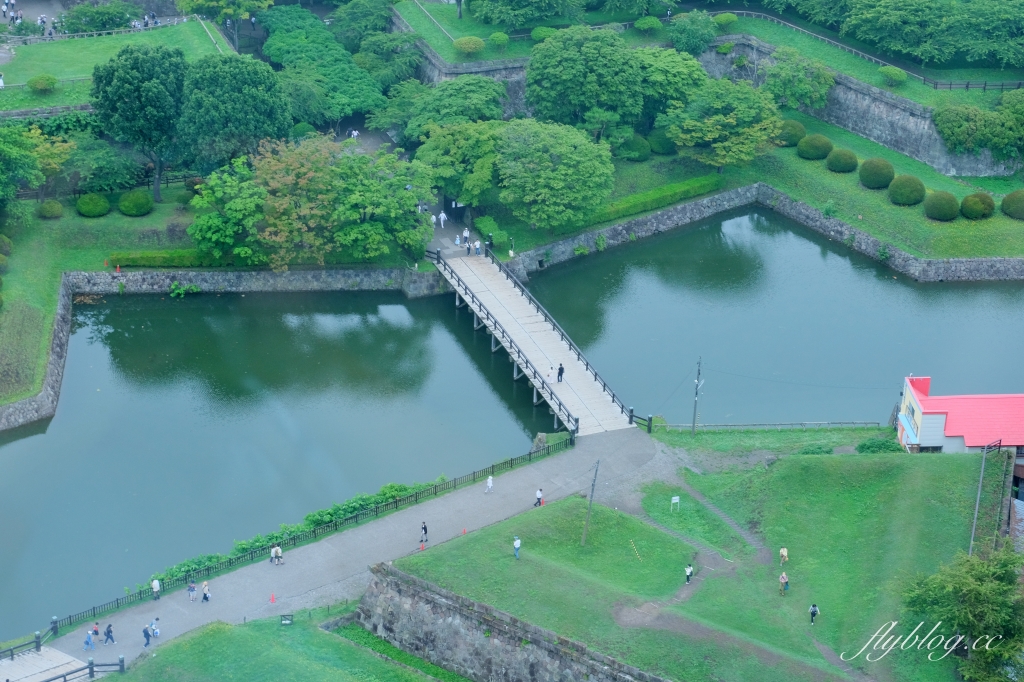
(335, 568)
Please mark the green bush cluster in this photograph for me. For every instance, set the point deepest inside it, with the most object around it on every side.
(814, 147)
(978, 206)
(660, 144)
(469, 45)
(192, 183)
(634, 149)
(6, 245)
(50, 209)
(3, 264)
(841, 161)
(301, 130)
(969, 129)
(501, 240)
(725, 48)
(1013, 204)
(172, 258)
(877, 445)
(893, 76)
(658, 197)
(498, 40)
(42, 84)
(941, 206)
(876, 173)
(791, 134)
(724, 20)
(92, 205)
(647, 24)
(906, 190)
(542, 33)
(137, 202)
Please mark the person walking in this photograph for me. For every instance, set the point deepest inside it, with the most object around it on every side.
(95, 630)
(192, 590)
(490, 484)
(442, 216)
(5, 10)
(689, 573)
(154, 627)
(206, 591)
(465, 235)
(550, 375)
(279, 556)
(561, 372)
(469, 246)
(433, 221)
(783, 556)
(540, 497)
(108, 635)
(814, 611)
(89, 644)
(783, 584)
(147, 634)
(423, 532)
(516, 544)
(156, 589)
(1, 81)
(252, 20)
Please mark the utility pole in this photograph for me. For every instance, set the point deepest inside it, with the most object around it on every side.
(583, 542)
(696, 391)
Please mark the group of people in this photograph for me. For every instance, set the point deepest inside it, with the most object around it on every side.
(147, 21)
(93, 633)
(276, 554)
(784, 584)
(192, 591)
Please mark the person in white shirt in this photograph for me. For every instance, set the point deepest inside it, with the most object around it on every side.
(490, 484)
(516, 544)
(443, 217)
(156, 588)
(689, 572)
(540, 497)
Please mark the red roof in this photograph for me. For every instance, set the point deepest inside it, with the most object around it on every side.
(980, 419)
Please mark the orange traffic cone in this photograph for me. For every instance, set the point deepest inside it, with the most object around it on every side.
(463, 531)
(272, 600)
(106, 263)
(542, 501)
(422, 547)
(119, 268)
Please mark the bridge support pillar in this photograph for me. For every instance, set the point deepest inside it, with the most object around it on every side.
(477, 323)
(536, 398)
(495, 345)
(516, 372)
(555, 428)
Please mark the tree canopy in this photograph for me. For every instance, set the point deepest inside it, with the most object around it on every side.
(354, 21)
(389, 57)
(552, 175)
(463, 158)
(724, 123)
(666, 76)
(794, 79)
(692, 32)
(229, 207)
(514, 14)
(579, 69)
(87, 17)
(412, 106)
(138, 97)
(18, 163)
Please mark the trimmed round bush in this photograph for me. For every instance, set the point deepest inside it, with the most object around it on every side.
(192, 183)
(660, 144)
(978, 205)
(906, 190)
(876, 173)
(1013, 204)
(542, 33)
(135, 203)
(6, 245)
(299, 131)
(792, 133)
(92, 205)
(498, 40)
(814, 147)
(725, 20)
(647, 24)
(42, 84)
(50, 209)
(634, 149)
(3, 264)
(941, 206)
(184, 197)
(469, 45)
(841, 161)
(894, 77)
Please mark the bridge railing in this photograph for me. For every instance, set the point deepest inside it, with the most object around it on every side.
(561, 332)
(88, 671)
(572, 422)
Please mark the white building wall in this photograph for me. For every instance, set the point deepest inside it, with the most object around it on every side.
(933, 434)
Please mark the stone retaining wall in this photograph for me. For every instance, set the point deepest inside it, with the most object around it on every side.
(44, 404)
(475, 640)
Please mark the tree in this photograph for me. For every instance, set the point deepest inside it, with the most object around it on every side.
(230, 206)
(223, 10)
(796, 80)
(18, 163)
(97, 166)
(552, 174)
(351, 23)
(138, 97)
(515, 14)
(51, 154)
(976, 597)
(399, 107)
(724, 123)
(412, 106)
(639, 7)
(463, 158)
(324, 198)
(230, 104)
(389, 57)
(924, 29)
(692, 32)
(823, 12)
(578, 69)
(666, 76)
(87, 17)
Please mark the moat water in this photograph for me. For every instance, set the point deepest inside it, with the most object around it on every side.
(184, 425)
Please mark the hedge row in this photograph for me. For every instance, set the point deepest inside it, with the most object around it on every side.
(658, 197)
(173, 258)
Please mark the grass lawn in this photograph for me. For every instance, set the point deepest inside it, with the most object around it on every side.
(266, 650)
(76, 58)
(371, 641)
(780, 442)
(692, 519)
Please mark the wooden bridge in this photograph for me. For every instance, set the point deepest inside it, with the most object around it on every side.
(536, 344)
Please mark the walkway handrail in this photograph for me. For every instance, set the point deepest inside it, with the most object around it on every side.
(33, 39)
(88, 671)
(33, 644)
(771, 425)
(571, 421)
(561, 332)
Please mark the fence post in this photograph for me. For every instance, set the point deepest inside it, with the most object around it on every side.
(631, 416)
(39, 642)
(650, 420)
(120, 663)
(53, 626)
(92, 669)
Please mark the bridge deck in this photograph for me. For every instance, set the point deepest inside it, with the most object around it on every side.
(543, 346)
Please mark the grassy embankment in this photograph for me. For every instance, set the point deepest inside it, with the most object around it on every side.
(76, 58)
(857, 526)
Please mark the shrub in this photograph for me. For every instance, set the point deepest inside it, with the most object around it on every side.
(6, 245)
(876, 173)
(740, 61)
(485, 225)
(469, 45)
(92, 205)
(499, 40)
(792, 132)
(184, 197)
(725, 48)
(875, 445)
(300, 130)
(51, 208)
(815, 449)
(725, 20)
(978, 205)
(135, 203)
(941, 206)
(1, 302)
(1, 282)
(501, 240)
(647, 24)
(172, 258)
(3, 264)
(814, 147)
(906, 190)
(192, 183)
(634, 149)
(42, 84)
(893, 76)
(1013, 204)
(660, 144)
(841, 161)
(658, 197)
(542, 33)
(692, 32)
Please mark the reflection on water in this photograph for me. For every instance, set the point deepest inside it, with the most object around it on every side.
(791, 326)
(184, 425)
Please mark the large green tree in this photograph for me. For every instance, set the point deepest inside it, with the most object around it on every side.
(231, 102)
(928, 30)
(18, 163)
(354, 21)
(692, 32)
(230, 209)
(552, 175)
(514, 14)
(224, 10)
(87, 17)
(666, 76)
(389, 57)
(579, 69)
(463, 158)
(724, 123)
(797, 80)
(138, 98)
